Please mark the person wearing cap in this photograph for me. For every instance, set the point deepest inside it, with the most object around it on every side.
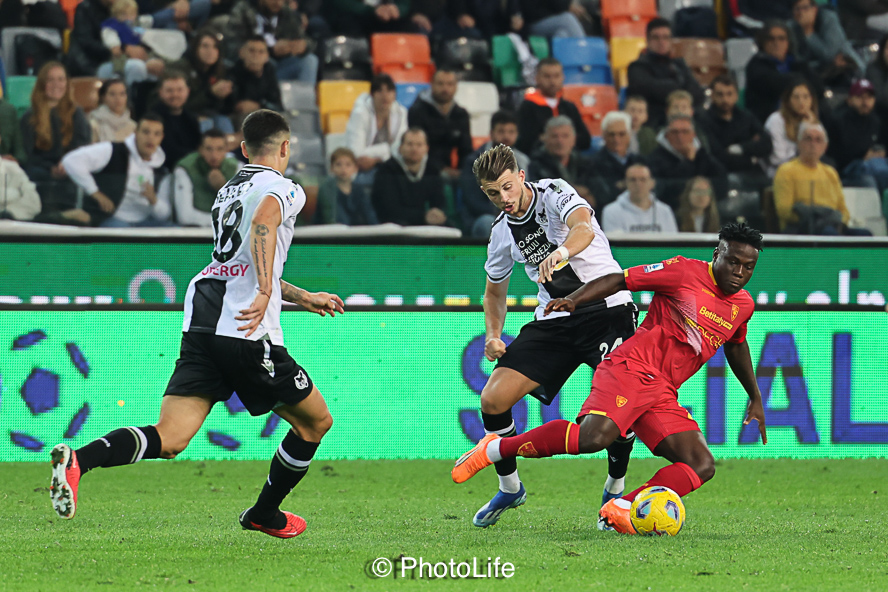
(859, 149)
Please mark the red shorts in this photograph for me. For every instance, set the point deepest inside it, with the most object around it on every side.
(637, 400)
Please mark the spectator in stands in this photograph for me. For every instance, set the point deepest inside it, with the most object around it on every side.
(119, 179)
(281, 28)
(697, 209)
(198, 177)
(749, 16)
(808, 194)
(543, 104)
(407, 189)
(772, 69)
(362, 18)
(182, 128)
(51, 128)
(495, 18)
(118, 33)
(558, 159)
(446, 20)
(861, 153)
(656, 73)
(797, 104)
(212, 90)
(736, 137)
(610, 163)
(644, 137)
(820, 41)
(86, 51)
(680, 102)
(863, 20)
(553, 18)
(11, 146)
(445, 123)
(18, 195)
(637, 210)
(680, 156)
(340, 200)
(186, 15)
(375, 127)
(111, 121)
(877, 73)
(255, 82)
(478, 212)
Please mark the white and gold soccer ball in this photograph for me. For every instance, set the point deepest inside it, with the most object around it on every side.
(657, 511)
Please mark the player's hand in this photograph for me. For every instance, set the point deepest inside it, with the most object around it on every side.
(494, 348)
(324, 303)
(547, 267)
(559, 305)
(756, 411)
(254, 314)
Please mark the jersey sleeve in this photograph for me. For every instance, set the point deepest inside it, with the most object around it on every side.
(739, 335)
(562, 198)
(665, 277)
(499, 263)
(290, 197)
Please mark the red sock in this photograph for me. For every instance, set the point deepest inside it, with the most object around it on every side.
(678, 477)
(555, 437)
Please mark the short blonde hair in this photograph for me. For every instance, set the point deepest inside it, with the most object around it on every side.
(123, 6)
(493, 162)
(679, 95)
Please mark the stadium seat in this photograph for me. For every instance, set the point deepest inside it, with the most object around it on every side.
(335, 100)
(404, 57)
(624, 51)
(307, 158)
(624, 27)
(305, 124)
(346, 58)
(593, 102)
(70, 7)
(481, 100)
(2, 79)
(506, 67)
(469, 57)
(86, 92)
(738, 53)
(298, 96)
(18, 92)
(168, 44)
(331, 143)
(865, 207)
(705, 57)
(633, 9)
(407, 93)
(7, 43)
(584, 60)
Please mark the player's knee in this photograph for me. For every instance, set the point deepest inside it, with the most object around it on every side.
(592, 440)
(171, 452)
(704, 466)
(491, 405)
(324, 425)
(314, 430)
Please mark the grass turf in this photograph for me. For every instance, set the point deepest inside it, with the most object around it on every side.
(758, 525)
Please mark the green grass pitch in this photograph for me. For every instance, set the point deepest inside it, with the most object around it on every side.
(758, 525)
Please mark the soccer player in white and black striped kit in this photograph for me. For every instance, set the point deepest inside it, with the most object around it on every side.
(232, 340)
(552, 231)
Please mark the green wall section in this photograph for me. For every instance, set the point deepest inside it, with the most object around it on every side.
(405, 385)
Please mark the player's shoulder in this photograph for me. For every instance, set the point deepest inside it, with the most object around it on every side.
(499, 231)
(553, 187)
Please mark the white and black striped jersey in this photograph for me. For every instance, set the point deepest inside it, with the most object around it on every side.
(228, 284)
(536, 235)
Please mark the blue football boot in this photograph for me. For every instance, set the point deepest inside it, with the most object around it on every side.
(502, 501)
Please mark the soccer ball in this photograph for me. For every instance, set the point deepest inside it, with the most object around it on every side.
(657, 511)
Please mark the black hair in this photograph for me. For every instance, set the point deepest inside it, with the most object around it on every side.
(549, 61)
(764, 34)
(261, 128)
(254, 37)
(724, 79)
(380, 82)
(213, 133)
(741, 233)
(151, 117)
(107, 84)
(657, 23)
(502, 117)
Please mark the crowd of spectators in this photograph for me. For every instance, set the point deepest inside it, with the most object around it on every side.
(811, 117)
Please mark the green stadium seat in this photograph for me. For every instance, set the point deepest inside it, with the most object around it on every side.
(18, 92)
(506, 67)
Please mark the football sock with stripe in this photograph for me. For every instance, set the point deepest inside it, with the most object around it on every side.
(507, 470)
(678, 477)
(555, 437)
(618, 454)
(288, 467)
(121, 447)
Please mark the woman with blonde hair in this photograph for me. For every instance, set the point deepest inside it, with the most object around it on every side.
(697, 211)
(798, 103)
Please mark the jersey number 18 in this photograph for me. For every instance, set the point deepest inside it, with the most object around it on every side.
(225, 229)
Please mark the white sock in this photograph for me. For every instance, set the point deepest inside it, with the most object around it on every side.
(614, 485)
(624, 504)
(509, 483)
(493, 452)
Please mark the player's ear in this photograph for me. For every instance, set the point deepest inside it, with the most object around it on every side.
(521, 176)
(285, 149)
(244, 150)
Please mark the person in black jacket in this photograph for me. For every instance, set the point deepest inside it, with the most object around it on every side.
(736, 138)
(557, 159)
(771, 70)
(445, 123)
(656, 73)
(255, 79)
(858, 150)
(552, 18)
(407, 188)
(87, 51)
(610, 163)
(545, 103)
(182, 134)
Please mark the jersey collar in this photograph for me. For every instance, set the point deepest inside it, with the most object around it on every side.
(262, 167)
(530, 209)
(712, 277)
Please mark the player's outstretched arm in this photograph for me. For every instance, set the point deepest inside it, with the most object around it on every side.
(322, 303)
(578, 238)
(495, 308)
(597, 289)
(738, 357)
(263, 242)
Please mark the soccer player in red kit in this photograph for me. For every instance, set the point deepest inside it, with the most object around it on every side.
(697, 308)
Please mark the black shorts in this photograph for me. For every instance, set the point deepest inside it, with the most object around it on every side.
(263, 375)
(549, 351)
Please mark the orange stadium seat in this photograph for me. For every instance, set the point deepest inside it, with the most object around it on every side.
(404, 57)
(624, 51)
(626, 27)
(631, 9)
(593, 101)
(86, 92)
(335, 100)
(70, 7)
(705, 57)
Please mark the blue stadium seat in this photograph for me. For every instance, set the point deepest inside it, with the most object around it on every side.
(585, 59)
(407, 93)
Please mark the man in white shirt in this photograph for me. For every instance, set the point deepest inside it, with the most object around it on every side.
(637, 210)
(119, 178)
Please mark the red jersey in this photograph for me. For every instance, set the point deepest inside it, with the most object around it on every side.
(687, 321)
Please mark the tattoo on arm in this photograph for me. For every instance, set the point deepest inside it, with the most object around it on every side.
(260, 251)
(261, 230)
(291, 293)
